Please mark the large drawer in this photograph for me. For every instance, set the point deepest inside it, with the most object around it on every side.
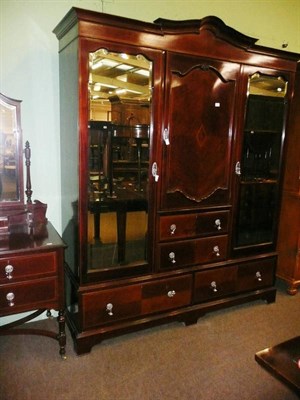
(193, 225)
(256, 274)
(190, 252)
(31, 295)
(106, 306)
(30, 266)
(242, 277)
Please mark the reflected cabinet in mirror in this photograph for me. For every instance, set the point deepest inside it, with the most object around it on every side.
(11, 171)
(118, 162)
(261, 160)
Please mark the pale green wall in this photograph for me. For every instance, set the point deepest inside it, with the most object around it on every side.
(29, 60)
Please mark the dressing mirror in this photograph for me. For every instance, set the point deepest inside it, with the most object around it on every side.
(119, 123)
(11, 170)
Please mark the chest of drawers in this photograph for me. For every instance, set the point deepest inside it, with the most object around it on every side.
(32, 279)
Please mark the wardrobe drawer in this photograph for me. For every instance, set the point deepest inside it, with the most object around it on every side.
(193, 225)
(28, 295)
(190, 252)
(214, 283)
(105, 306)
(30, 266)
(256, 274)
(166, 294)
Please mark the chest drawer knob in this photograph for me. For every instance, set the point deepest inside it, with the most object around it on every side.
(216, 251)
(10, 298)
(8, 271)
(213, 286)
(218, 224)
(109, 308)
(258, 276)
(172, 257)
(172, 229)
(171, 293)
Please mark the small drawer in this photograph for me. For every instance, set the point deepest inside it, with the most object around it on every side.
(214, 283)
(30, 266)
(256, 274)
(166, 294)
(193, 225)
(106, 306)
(28, 296)
(190, 252)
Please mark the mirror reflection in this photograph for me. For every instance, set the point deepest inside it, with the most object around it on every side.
(9, 135)
(120, 99)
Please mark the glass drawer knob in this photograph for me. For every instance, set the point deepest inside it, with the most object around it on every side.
(171, 293)
(109, 308)
(258, 276)
(218, 224)
(217, 251)
(8, 271)
(172, 229)
(213, 286)
(172, 257)
(10, 298)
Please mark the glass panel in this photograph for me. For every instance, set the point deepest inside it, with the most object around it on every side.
(260, 161)
(9, 157)
(120, 99)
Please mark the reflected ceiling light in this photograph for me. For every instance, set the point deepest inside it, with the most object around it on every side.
(121, 91)
(124, 67)
(97, 87)
(98, 64)
(109, 86)
(109, 63)
(143, 72)
(134, 91)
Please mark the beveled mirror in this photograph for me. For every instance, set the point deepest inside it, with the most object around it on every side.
(119, 124)
(11, 169)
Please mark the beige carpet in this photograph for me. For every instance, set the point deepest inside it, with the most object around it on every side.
(211, 360)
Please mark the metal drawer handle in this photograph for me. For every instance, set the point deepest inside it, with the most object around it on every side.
(258, 276)
(213, 286)
(216, 251)
(172, 229)
(8, 271)
(171, 293)
(109, 308)
(10, 297)
(218, 224)
(172, 257)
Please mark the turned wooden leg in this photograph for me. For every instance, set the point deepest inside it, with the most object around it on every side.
(61, 337)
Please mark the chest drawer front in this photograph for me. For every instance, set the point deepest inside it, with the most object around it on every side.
(28, 295)
(256, 274)
(102, 307)
(193, 225)
(190, 252)
(29, 266)
(166, 294)
(214, 283)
